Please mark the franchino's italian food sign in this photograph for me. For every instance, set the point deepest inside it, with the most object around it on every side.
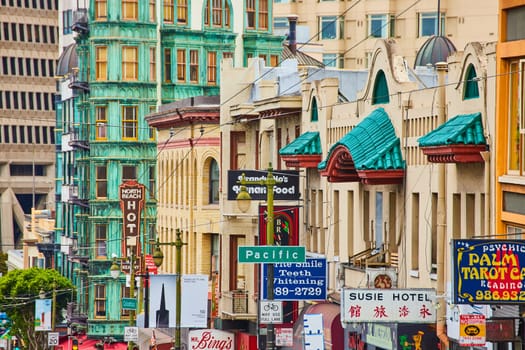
(489, 271)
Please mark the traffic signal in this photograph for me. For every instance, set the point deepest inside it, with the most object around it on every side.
(74, 346)
(15, 345)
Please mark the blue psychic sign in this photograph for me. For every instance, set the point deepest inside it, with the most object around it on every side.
(489, 271)
(297, 281)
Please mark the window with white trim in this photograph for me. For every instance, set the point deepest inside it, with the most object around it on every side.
(381, 26)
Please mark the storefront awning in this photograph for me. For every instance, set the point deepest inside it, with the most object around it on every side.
(333, 332)
(459, 140)
(370, 153)
(304, 151)
(90, 344)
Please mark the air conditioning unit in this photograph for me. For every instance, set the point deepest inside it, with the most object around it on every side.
(381, 277)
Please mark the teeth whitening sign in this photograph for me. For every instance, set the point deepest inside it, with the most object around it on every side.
(297, 281)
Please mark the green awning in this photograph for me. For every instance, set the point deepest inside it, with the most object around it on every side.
(306, 144)
(463, 129)
(373, 144)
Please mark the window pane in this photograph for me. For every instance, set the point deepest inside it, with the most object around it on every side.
(100, 300)
(514, 135)
(378, 26)
(181, 65)
(168, 11)
(152, 64)
(328, 27)
(152, 14)
(102, 182)
(101, 63)
(513, 202)
(329, 59)
(129, 173)
(182, 11)
(263, 14)
(428, 24)
(217, 12)
(167, 65)
(515, 20)
(101, 123)
(129, 123)
(250, 14)
(129, 9)
(214, 182)
(101, 9)
(100, 239)
(129, 63)
(194, 66)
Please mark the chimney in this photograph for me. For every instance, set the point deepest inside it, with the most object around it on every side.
(292, 36)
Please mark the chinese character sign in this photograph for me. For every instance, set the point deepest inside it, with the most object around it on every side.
(489, 271)
(388, 305)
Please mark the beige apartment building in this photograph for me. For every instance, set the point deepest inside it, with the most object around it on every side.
(343, 33)
(378, 201)
(28, 53)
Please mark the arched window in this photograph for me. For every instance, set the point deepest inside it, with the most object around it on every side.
(314, 112)
(471, 88)
(214, 182)
(380, 93)
(217, 13)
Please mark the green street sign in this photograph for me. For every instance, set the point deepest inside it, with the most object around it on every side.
(129, 303)
(268, 254)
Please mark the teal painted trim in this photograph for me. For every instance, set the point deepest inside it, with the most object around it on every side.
(373, 144)
(306, 144)
(470, 88)
(380, 93)
(464, 129)
(315, 112)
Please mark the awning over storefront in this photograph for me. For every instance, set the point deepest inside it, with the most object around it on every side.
(332, 330)
(391, 336)
(90, 344)
(304, 151)
(459, 140)
(370, 153)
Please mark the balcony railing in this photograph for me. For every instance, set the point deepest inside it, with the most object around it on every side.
(74, 315)
(374, 257)
(235, 305)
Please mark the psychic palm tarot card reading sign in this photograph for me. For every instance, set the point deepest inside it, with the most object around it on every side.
(488, 271)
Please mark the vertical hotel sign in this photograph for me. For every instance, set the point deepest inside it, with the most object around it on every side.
(131, 194)
(489, 271)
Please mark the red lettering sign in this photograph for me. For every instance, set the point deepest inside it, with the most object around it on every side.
(211, 339)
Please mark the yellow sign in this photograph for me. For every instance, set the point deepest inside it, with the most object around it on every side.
(472, 330)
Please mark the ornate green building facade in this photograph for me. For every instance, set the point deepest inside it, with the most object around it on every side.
(130, 57)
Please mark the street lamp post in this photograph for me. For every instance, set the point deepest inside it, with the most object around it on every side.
(114, 271)
(270, 182)
(158, 257)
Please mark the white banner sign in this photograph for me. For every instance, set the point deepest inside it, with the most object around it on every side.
(194, 308)
(271, 311)
(163, 296)
(43, 314)
(131, 333)
(388, 305)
